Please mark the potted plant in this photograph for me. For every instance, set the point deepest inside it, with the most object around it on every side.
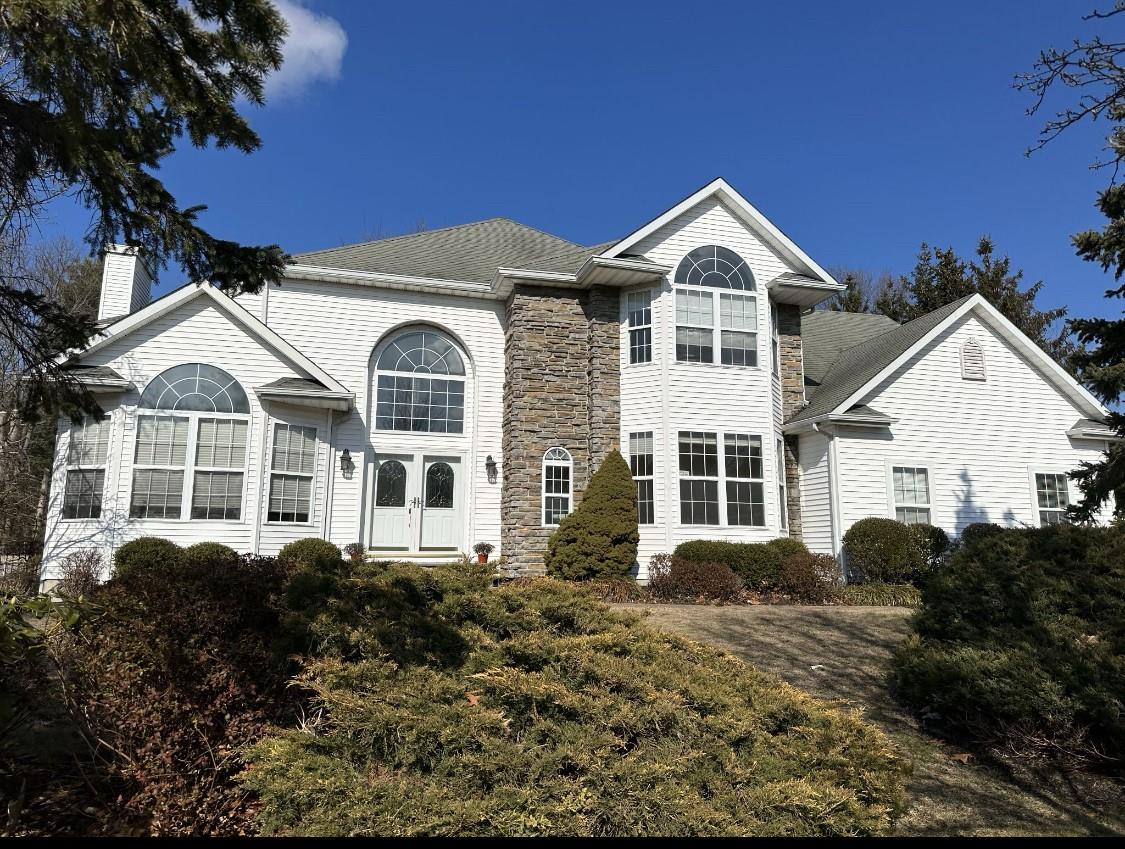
(483, 549)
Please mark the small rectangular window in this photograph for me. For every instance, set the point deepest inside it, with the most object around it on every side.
(912, 494)
(639, 310)
(291, 473)
(1052, 497)
(775, 339)
(641, 465)
(695, 322)
(782, 503)
(699, 478)
(745, 487)
(85, 473)
(557, 480)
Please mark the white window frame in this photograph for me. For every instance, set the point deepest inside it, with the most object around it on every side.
(892, 494)
(1032, 474)
(693, 477)
(79, 467)
(556, 462)
(641, 326)
(760, 480)
(275, 424)
(716, 328)
(721, 478)
(782, 490)
(641, 475)
(775, 341)
(190, 466)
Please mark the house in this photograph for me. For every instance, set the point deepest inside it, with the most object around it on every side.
(426, 392)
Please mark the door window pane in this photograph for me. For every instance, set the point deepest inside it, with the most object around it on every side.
(439, 485)
(390, 485)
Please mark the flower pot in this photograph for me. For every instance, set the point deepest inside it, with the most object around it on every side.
(482, 558)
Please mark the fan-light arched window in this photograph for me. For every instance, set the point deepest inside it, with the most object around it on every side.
(421, 384)
(972, 360)
(707, 320)
(557, 485)
(189, 457)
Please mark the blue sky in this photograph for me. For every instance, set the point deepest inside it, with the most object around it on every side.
(861, 129)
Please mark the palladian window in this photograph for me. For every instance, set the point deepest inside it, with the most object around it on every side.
(189, 458)
(421, 385)
(708, 321)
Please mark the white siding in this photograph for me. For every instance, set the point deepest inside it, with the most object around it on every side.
(338, 326)
(816, 511)
(195, 332)
(981, 440)
(665, 396)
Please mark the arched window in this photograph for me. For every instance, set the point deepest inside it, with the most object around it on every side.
(557, 479)
(189, 457)
(707, 320)
(421, 384)
(972, 360)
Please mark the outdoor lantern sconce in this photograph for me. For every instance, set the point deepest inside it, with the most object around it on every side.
(346, 464)
(490, 469)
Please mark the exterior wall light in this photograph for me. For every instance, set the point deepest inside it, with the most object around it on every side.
(490, 469)
(346, 464)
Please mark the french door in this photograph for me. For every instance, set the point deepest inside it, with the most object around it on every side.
(418, 503)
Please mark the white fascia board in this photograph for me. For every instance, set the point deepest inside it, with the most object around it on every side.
(1100, 434)
(838, 419)
(745, 210)
(341, 401)
(1056, 373)
(391, 281)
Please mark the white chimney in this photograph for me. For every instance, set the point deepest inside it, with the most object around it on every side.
(125, 282)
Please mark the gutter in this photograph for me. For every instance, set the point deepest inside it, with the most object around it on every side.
(835, 520)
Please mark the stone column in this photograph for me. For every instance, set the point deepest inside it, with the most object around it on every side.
(792, 399)
(561, 389)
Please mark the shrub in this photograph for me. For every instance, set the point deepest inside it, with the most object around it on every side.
(883, 551)
(614, 590)
(213, 554)
(147, 553)
(934, 543)
(79, 573)
(534, 709)
(1021, 641)
(809, 578)
(19, 575)
(977, 531)
(174, 677)
(599, 539)
(309, 552)
(356, 552)
(881, 595)
(757, 564)
(674, 578)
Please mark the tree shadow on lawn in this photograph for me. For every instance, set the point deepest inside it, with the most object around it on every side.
(843, 654)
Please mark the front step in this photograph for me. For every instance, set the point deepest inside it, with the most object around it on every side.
(418, 558)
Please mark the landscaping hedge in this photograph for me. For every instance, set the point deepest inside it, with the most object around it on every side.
(884, 551)
(146, 553)
(1021, 641)
(674, 578)
(758, 564)
(442, 707)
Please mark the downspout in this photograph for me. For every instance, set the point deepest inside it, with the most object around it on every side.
(835, 520)
(330, 462)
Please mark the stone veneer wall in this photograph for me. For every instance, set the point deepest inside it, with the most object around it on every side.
(792, 399)
(561, 389)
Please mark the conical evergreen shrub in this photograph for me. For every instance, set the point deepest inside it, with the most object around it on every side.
(599, 539)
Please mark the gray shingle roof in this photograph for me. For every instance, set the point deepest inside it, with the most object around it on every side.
(568, 261)
(858, 365)
(299, 384)
(470, 252)
(826, 334)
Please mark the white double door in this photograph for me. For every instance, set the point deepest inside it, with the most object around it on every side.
(418, 503)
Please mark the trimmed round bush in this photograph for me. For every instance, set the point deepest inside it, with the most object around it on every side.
(672, 578)
(146, 553)
(310, 552)
(758, 564)
(809, 578)
(884, 551)
(599, 539)
(210, 554)
(977, 531)
(934, 542)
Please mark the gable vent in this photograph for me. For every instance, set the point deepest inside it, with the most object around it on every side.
(972, 360)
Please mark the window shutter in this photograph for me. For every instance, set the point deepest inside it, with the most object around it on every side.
(972, 360)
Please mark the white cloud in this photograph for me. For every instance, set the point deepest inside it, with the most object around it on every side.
(313, 51)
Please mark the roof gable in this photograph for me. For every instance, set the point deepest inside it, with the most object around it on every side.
(722, 191)
(122, 328)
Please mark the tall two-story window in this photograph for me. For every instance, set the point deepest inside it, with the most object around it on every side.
(641, 465)
(189, 458)
(710, 321)
(85, 468)
(638, 307)
(421, 385)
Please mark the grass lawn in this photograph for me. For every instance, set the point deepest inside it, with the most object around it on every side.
(842, 653)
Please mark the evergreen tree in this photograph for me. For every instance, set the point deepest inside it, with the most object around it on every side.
(93, 96)
(857, 296)
(599, 538)
(1095, 74)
